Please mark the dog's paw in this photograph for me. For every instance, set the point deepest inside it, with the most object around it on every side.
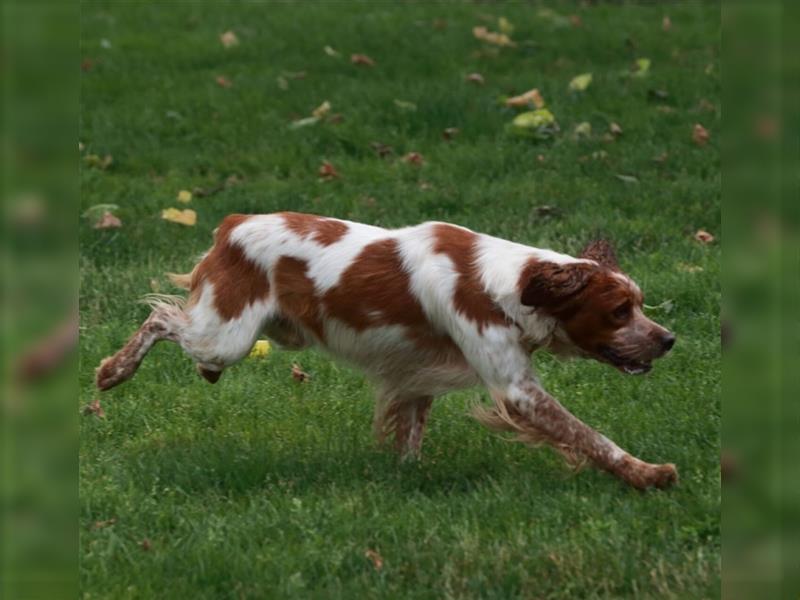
(644, 475)
(109, 374)
(663, 476)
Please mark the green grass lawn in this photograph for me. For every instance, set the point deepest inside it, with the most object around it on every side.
(260, 486)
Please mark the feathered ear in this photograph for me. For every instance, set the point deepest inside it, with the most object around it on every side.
(602, 252)
(547, 284)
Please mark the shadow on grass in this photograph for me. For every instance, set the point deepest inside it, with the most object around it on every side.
(237, 466)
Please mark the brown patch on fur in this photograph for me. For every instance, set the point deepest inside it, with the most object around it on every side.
(375, 290)
(322, 230)
(296, 295)
(237, 281)
(470, 297)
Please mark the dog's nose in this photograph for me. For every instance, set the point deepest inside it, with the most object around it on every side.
(668, 341)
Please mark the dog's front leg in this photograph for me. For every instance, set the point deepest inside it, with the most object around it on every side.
(536, 416)
(523, 407)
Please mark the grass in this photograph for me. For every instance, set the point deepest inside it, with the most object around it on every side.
(263, 487)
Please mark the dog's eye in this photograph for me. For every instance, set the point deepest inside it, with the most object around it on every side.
(622, 312)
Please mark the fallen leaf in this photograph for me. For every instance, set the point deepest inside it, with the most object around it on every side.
(546, 210)
(449, 133)
(687, 268)
(530, 97)
(102, 524)
(87, 64)
(700, 135)
(229, 39)
(629, 179)
(614, 128)
(599, 155)
(539, 124)
(322, 110)
(155, 286)
(382, 150)
(405, 105)
(580, 82)
(413, 158)
(108, 221)
(505, 26)
(424, 186)
(184, 196)
(184, 217)
(706, 106)
(305, 122)
(666, 23)
(490, 37)
(375, 558)
(576, 21)
(327, 171)
(641, 67)
(331, 52)
(664, 109)
(439, 24)
(94, 408)
(260, 348)
(223, 81)
(541, 158)
(283, 84)
(475, 78)
(145, 545)
(298, 374)
(582, 130)
(703, 236)
(362, 59)
(95, 161)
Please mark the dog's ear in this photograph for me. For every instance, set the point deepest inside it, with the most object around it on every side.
(547, 284)
(602, 252)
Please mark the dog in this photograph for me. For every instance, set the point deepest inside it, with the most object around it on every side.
(422, 310)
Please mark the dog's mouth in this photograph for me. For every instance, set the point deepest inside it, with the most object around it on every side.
(624, 364)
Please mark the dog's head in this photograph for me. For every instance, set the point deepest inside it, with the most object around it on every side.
(598, 309)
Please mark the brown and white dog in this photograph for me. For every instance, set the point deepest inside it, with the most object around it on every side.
(422, 310)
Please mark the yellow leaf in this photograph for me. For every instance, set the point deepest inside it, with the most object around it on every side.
(260, 348)
(505, 25)
(534, 119)
(641, 67)
(530, 97)
(322, 110)
(580, 82)
(229, 39)
(490, 37)
(184, 196)
(184, 217)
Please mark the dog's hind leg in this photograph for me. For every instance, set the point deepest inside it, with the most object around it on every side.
(405, 417)
(164, 323)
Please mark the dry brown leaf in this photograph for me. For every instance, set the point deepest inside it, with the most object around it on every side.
(381, 149)
(322, 110)
(223, 81)
(108, 221)
(145, 544)
(102, 524)
(576, 21)
(475, 78)
(541, 158)
(414, 158)
(449, 133)
(614, 128)
(700, 135)
(94, 408)
(687, 268)
(93, 160)
(530, 97)
(703, 236)
(298, 374)
(229, 39)
(87, 64)
(362, 59)
(666, 23)
(327, 171)
(490, 37)
(375, 558)
(184, 217)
